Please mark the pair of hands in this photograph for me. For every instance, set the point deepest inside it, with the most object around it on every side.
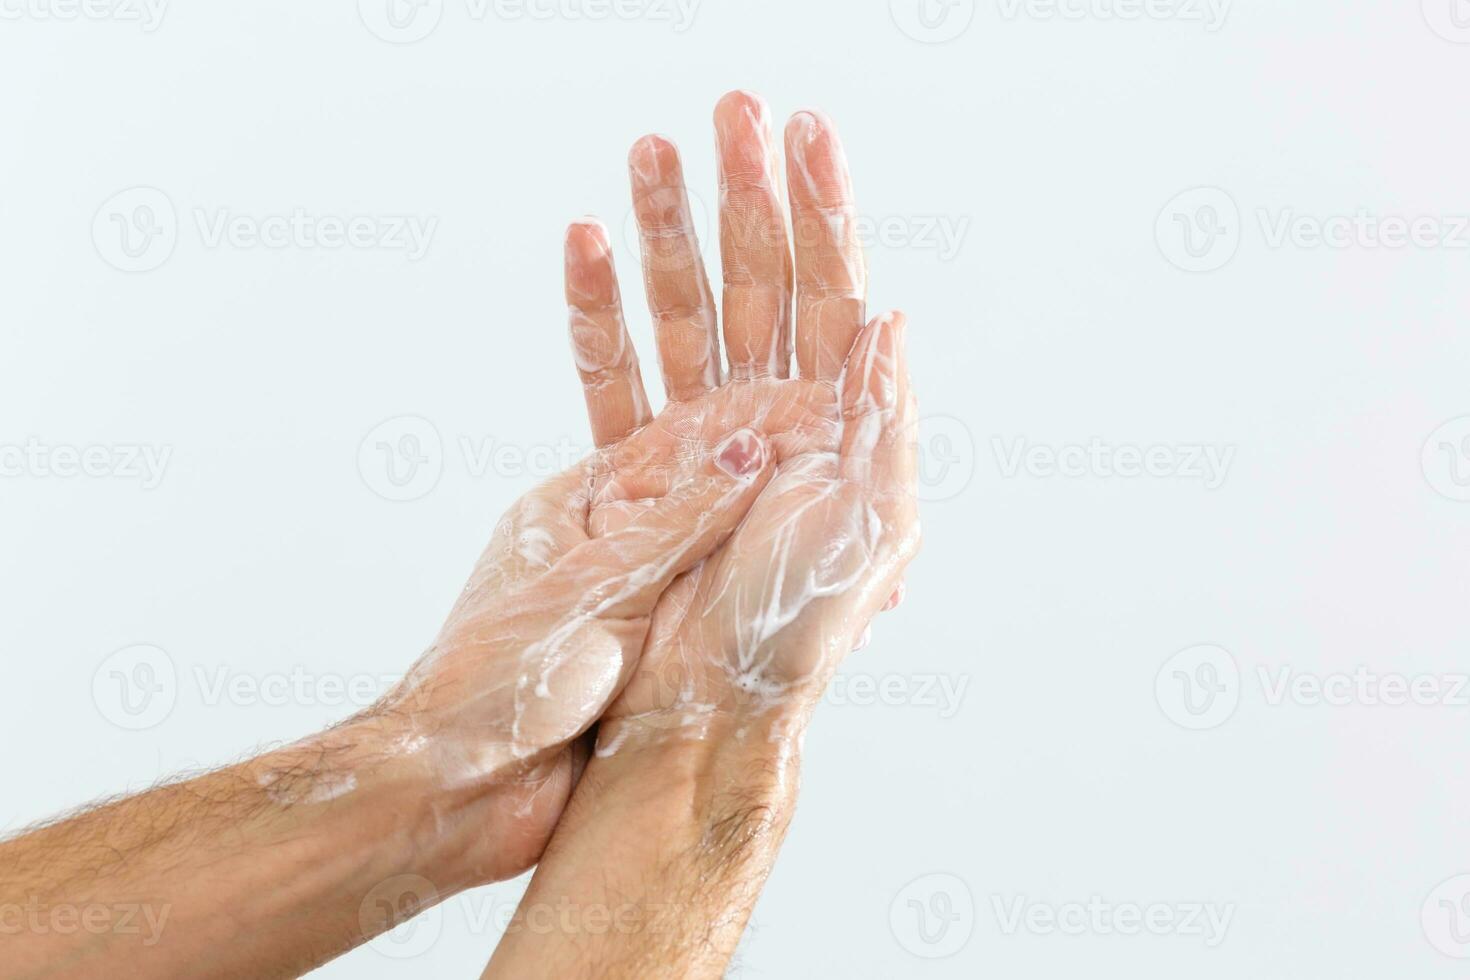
(688, 591)
(718, 559)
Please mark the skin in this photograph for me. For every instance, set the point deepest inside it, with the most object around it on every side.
(457, 778)
(638, 588)
(678, 818)
(255, 870)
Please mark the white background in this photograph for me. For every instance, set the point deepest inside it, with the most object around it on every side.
(1056, 145)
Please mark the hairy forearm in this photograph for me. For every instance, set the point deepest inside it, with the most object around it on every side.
(261, 869)
(662, 853)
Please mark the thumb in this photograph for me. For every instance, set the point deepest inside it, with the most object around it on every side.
(621, 575)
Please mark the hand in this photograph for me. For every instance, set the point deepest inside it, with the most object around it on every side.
(764, 621)
(455, 780)
(550, 625)
(678, 819)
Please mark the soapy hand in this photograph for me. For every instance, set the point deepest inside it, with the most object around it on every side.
(589, 571)
(683, 809)
(704, 567)
(765, 620)
(548, 628)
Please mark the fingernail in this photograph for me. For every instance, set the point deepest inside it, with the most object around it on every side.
(741, 455)
(890, 334)
(894, 599)
(865, 639)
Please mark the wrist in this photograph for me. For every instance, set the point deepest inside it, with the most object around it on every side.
(737, 726)
(669, 837)
(458, 833)
(374, 794)
(720, 791)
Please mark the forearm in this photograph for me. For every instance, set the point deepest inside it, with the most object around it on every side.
(662, 853)
(258, 870)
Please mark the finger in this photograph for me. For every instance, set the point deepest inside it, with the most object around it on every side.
(754, 252)
(831, 278)
(679, 296)
(606, 360)
(896, 599)
(622, 575)
(876, 405)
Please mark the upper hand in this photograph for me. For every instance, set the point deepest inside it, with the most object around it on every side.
(765, 619)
